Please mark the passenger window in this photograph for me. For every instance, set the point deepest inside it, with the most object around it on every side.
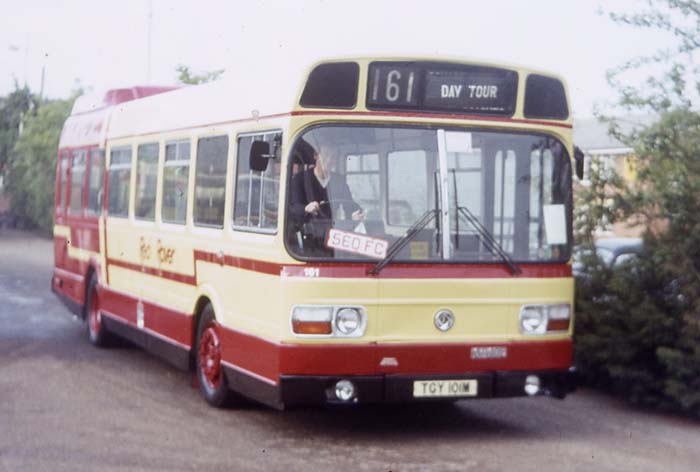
(210, 181)
(119, 182)
(362, 176)
(77, 181)
(257, 182)
(407, 185)
(95, 179)
(63, 190)
(146, 178)
(504, 199)
(176, 173)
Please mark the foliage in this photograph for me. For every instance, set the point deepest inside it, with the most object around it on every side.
(13, 108)
(31, 168)
(638, 327)
(186, 76)
(597, 202)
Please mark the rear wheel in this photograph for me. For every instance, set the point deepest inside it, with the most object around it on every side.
(96, 331)
(209, 369)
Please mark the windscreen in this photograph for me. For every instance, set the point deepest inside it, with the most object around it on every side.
(356, 191)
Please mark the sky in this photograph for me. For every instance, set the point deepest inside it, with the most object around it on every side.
(101, 44)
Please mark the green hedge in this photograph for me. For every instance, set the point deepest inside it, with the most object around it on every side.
(637, 334)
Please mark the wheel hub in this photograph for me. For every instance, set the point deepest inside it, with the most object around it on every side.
(210, 357)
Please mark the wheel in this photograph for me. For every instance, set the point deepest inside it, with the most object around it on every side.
(210, 371)
(97, 333)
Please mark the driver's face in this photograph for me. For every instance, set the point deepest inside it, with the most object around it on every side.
(326, 159)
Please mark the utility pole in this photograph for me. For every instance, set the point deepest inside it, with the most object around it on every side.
(150, 33)
(43, 78)
(26, 60)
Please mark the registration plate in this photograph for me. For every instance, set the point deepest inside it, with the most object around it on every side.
(444, 388)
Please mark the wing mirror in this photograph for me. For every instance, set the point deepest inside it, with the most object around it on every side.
(579, 160)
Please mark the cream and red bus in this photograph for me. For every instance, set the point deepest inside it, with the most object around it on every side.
(441, 271)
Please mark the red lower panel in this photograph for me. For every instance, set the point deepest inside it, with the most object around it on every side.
(251, 353)
(172, 324)
(69, 285)
(420, 358)
(270, 359)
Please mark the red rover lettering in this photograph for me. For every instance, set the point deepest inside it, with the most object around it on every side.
(357, 243)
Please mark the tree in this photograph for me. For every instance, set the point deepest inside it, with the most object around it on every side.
(13, 109)
(186, 76)
(31, 168)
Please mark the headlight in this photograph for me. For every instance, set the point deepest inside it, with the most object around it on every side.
(347, 320)
(532, 319)
(322, 320)
(541, 319)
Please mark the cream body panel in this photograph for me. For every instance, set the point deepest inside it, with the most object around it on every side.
(403, 310)
(485, 309)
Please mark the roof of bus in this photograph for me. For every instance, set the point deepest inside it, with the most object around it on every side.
(237, 96)
(253, 91)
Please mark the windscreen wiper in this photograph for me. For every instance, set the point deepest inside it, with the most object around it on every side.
(489, 241)
(400, 243)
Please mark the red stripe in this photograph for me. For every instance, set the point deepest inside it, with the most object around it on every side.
(431, 271)
(358, 270)
(165, 274)
(448, 116)
(254, 265)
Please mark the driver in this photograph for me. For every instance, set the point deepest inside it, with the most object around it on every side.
(318, 193)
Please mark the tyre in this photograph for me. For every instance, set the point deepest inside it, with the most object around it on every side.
(209, 369)
(97, 333)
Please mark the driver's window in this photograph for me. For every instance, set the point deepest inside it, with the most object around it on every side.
(256, 200)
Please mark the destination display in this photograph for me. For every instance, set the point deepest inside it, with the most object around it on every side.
(441, 87)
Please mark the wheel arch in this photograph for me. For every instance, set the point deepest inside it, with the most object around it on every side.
(205, 296)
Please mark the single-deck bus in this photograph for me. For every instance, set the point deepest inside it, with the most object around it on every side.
(376, 230)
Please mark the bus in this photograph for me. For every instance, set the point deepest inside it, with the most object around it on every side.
(373, 230)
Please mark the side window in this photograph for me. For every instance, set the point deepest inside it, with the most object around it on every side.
(146, 179)
(63, 183)
(176, 173)
(257, 181)
(210, 181)
(407, 186)
(77, 180)
(95, 179)
(119, 182)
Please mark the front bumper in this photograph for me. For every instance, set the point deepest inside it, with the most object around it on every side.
(395, 388)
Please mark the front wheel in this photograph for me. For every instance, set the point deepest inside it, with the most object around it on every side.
(210, 371)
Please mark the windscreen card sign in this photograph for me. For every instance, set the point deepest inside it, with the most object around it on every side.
(458, 142)
(357, 243)
(555, 224)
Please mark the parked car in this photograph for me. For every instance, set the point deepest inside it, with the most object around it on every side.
(611, 251)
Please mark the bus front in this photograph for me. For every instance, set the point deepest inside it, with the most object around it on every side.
(432, 219)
